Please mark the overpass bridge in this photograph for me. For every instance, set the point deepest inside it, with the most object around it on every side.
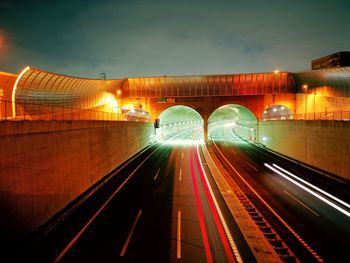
(258, 92)
(248, 98)
(178, 102)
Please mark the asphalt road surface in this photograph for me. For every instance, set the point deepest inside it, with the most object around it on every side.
(160, 207)
(310, 211)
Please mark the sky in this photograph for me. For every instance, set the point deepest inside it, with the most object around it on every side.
(131, 38)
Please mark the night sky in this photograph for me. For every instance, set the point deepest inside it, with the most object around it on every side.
(159, 37)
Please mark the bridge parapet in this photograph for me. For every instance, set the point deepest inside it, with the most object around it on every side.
(210, 85)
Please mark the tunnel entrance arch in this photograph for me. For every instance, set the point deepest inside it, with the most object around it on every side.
(237, 117)
(176, 119)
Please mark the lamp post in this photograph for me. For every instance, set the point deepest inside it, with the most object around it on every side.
(314, 104)
(304, 86)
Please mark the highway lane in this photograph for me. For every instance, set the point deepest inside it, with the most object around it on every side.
(158, 208)
(318, 227)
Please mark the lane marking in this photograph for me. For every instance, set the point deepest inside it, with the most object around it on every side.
(78, 235)
(252, 166)
(300, 202)
(122, 253)
(155, 177)
(180, 174)
(182, 155)
(318, 258)
(312, 186)
(309, 190)
(178, 250)
(218, 216)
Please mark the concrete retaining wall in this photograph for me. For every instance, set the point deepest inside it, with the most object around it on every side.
(45, 165)
(322, 144)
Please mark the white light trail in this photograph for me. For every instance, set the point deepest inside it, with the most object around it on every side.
(309, 190)
(314, 187)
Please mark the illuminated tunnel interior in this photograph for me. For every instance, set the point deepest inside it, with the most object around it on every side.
(277, 112)
(237, 118)
(176, 119)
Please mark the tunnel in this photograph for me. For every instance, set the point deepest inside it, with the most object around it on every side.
(177, 119)
(236, 118)
(277, 112)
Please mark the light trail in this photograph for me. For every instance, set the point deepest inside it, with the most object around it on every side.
(208, 253)
(313, 186)
(309, 190)
(222, 227)
(268, 206)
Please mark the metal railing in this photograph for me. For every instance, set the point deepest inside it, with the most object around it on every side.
(34, 112)
(310, 116)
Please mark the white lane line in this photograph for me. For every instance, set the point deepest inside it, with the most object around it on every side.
(78, 235)
(312, 186)
(155, 177)
(222, 219)
(180, 174)
(182, 155)
(178, 243)
(309, 191)
(252, 166)
(130, 234)
(300, 202)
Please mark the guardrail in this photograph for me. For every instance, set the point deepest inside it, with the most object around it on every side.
(31, 111)
(311, 116)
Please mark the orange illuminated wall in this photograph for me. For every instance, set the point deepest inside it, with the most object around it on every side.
(37, 87)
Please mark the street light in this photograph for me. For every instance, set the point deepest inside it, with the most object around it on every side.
(304, 86)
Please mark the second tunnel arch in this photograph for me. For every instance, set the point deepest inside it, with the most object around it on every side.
(238, 117)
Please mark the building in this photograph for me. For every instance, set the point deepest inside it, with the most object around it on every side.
(336, 60)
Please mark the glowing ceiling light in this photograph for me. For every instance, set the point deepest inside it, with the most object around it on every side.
(274, 109)
(14, 91)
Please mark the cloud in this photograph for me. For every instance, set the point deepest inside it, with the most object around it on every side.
(138, 38)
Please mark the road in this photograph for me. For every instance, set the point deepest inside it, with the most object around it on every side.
(313, 224)
(160, 207)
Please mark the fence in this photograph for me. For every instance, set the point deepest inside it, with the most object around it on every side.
(30, 111)
(310, 116)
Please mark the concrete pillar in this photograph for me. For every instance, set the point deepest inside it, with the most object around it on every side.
(205, 126)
